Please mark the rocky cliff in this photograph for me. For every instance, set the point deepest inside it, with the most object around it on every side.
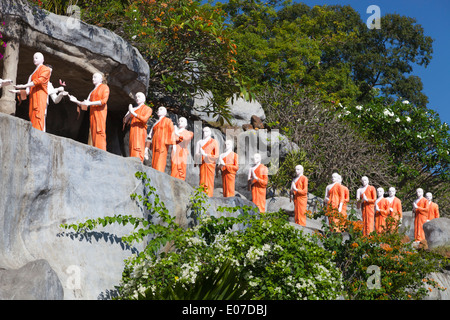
(47, 180)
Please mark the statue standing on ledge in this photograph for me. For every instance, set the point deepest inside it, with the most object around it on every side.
(434, 208)
(208, 150)
(334, 201)
(258, 178)
(38, 91)
(381, 211)
(97, 101)
(137, 118)
(395, 206)
(299, 189)
(366, 196)
(421, 208)
(161, 136)
(180, 151)
(229, 165)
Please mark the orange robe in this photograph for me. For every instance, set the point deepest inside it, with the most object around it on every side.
(381, 215)
(396, 206)
(208, 166)
(346, 200)
(434, 211)
(163, 136)
(38, 97)
(368, 210)
(335, 196)
(259, 187)
(229, 174)
(138, 131)
(300, 200)
(180, 155)
(97, 116)
(421, 217)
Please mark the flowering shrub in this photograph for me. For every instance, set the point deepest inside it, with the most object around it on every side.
(2, 43)
(272, 259)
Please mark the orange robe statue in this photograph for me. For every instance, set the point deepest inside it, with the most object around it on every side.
(163, 136)
(208, 166)
(229, 174)
(336, 196)
(300, 200)
(381, 215)
(97, 116)
(180, 154)
(259, 187)
(38, 97)
(421, 216)
(396, 206)
(368, 210)
(138, 131)
(434, 211)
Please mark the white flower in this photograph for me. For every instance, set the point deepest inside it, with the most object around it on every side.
(405, 102)
(408, 119)
(397, 120)
(359, 107)
(419, 136)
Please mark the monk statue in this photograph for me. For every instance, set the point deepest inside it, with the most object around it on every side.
(366, 196)
(228, 165)
(434, 208)
(258, 178)
(162, 136)
(334, 201)
(137, 118)
(395, 206)
(97, 103)
(299, 190)
(381, 211)
(208, 149)
(421, 208)
(180, 151)
(37, 89)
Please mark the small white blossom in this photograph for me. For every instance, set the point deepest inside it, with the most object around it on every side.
(405, 102)
(408, 119)
(359, 107)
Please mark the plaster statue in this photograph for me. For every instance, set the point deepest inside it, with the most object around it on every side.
(366, 196)
(180, 151)
(137, 118)
(162, 135)
(299, 190)
(228, 165)
(37, 88)
(421, 208)
(395, 205)
(208, 149)
(334, 201)
(97, 103)
(258, 178)
(56, 94)
(434, 208)
(381, 211)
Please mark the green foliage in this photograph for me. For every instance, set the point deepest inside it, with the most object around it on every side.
(224, 284)
(404, 272)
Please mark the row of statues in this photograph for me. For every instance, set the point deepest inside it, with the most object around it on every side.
(374, 207)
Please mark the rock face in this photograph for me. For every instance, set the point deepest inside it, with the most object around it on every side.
(49, 180)
(75, 50)
(34, 281)
(437, 232)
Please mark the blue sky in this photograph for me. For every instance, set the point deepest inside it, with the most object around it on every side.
(434, 16)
